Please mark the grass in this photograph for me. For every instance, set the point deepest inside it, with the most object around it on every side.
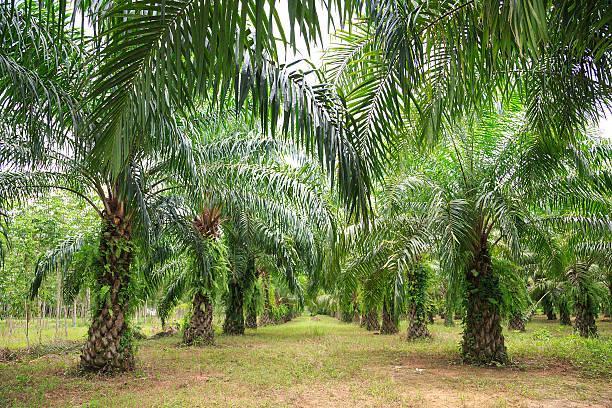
(313, 362)
(17, 339)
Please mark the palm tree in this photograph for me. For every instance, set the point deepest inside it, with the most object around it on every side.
(481, 193)
(384, 262)
(272, 210)
(576, 280)
(124, 209)
(148, 63)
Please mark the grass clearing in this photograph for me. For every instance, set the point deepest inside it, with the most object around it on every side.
(318, 361)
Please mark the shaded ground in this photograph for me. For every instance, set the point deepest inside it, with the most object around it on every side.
(320, 362)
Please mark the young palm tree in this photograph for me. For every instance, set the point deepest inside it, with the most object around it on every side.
(263, 202)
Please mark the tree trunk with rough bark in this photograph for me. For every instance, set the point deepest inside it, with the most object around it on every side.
(234, 315)
(109, 346)
(418, 315)
(584, 323)
(200, 330)
(548, 307)
(251, 315)
(564, 313)
(448, 319)
(430, 317)
(388, 323)
(362, 322)
(347, 316)
(516, 322)
(483, 341)
(372, 323)
(417, 326)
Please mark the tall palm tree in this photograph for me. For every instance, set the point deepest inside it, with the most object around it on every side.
(124, 209)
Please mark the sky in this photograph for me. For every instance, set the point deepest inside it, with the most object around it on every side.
(605, 126)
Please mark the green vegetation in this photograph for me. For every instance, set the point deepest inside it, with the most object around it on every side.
(318, 361)
(167, 173)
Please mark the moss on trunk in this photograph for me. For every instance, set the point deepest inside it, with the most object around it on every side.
(483, 341)
(234, 314)
(200, 329)
(109, 345)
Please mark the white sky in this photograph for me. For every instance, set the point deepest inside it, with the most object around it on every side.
(605, 126)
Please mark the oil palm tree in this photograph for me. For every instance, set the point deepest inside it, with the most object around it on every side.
(124, 209)
(271, 210)
(575, 276)
(133, 115)
(384, 262)
(483, 192)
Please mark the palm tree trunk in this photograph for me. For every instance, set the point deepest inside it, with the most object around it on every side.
(388, 322)
(516, 322)
(584, 323)
(234, 315)
(417, 326)
(548, 308)
(372, 323)
(483, 341)
(448, 317)
(266, 319)
(109, 345)
(564, 313)
(251, 315)
(347, 316)
(200, 330)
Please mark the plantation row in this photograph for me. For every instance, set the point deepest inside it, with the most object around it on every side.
(443, 159)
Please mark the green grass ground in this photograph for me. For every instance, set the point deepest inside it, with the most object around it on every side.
(320, 362)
